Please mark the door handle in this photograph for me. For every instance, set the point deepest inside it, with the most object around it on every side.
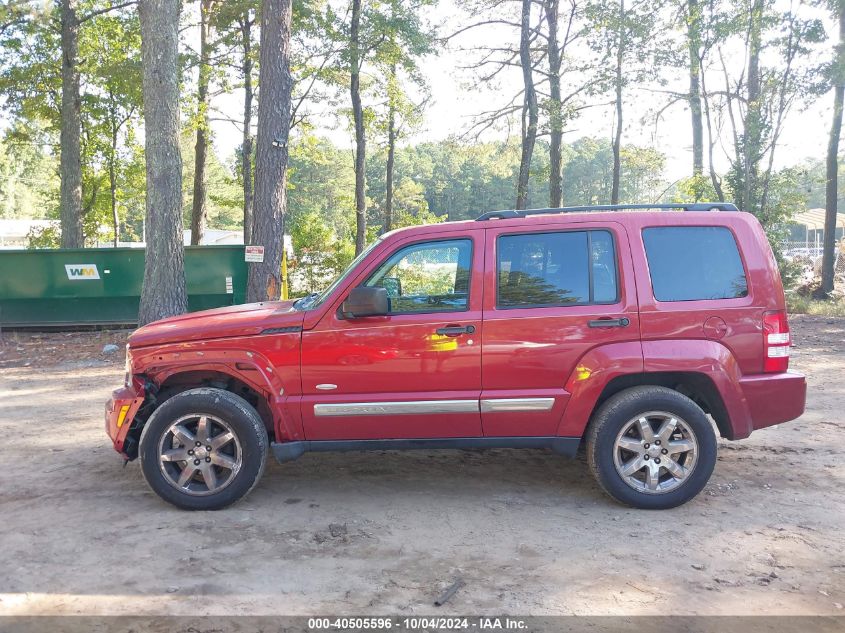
(455, 330)
(623, 322)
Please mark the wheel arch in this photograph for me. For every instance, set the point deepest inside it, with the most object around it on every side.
(162, 386)
(705, 371)
(217, 378)
(697, 386)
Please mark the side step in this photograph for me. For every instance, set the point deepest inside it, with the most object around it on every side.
(289, 451)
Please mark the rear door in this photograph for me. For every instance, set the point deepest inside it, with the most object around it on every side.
(551, 293)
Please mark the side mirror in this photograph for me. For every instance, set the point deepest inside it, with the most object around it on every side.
(365, 301)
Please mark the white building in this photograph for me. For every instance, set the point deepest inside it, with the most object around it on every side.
(13, 232)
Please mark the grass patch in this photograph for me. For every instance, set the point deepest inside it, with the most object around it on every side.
(797, 304)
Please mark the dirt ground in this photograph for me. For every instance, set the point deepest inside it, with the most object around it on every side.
(384, 533)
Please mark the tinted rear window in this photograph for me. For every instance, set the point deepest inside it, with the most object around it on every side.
(689, 263)
(556, 269)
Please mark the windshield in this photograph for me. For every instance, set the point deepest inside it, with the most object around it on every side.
(315, 299)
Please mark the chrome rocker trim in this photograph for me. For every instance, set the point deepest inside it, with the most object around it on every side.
(424, 407)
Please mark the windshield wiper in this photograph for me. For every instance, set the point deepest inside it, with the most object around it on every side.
(305, 300)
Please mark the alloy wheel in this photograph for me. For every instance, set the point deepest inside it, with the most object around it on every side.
(655, 452)
(199, 454)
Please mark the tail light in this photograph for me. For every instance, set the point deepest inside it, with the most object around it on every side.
(776, 341)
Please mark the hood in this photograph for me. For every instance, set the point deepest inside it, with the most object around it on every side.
(248, 319)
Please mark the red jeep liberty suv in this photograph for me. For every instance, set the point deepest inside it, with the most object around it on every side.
(639, 332)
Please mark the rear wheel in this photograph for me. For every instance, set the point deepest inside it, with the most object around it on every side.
(203, 449)
(651, 447)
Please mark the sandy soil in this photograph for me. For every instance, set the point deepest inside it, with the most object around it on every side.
(528, 532)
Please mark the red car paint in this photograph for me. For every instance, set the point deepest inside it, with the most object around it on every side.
(283, 354)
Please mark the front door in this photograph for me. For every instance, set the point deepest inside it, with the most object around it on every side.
(414, 373)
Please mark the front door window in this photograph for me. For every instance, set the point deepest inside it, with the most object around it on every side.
(427, 277)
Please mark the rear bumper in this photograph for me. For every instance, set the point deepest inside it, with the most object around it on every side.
(774, 398)
(120, 410)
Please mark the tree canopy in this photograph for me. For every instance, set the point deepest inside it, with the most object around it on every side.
(360, 69)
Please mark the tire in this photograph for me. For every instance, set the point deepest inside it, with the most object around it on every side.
(617, 427)
(218, 477)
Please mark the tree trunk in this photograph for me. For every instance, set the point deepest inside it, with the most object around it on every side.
(529, 112)
(360, 138)
(199, 208)
(391, 159)
(555, 114)
(753, 121)
(831, 187)
(246, 148)
(163, 293)
(617, 139)
(70, 162)
(694, 46)
(271, 158)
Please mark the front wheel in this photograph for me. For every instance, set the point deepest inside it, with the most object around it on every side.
(651, 447)
(203, 449)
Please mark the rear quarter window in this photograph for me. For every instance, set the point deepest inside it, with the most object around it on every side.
(690, 263)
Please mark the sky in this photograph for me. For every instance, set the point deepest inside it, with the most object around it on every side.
(454, 105)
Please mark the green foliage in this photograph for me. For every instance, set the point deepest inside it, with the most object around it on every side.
(788, 42)
(110, 68)
(30, 67)
(319, 254)
(798, 304)
(320, 211)
(28, 185)
(587, 167)
(694, 189)
(320, 180)
(462, 180)
(435, 182)
(225, 197)
(411, 207)
(44, 237)
(634, 30)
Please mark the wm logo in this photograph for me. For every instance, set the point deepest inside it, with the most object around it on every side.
(82, 271)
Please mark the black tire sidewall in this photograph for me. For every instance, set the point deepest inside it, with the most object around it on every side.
(244, 421)
(619, 410)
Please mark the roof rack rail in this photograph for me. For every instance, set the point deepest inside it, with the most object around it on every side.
(684, 206)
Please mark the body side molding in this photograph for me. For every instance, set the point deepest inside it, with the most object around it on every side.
(417, 407)
(407, 407)
(494, 405)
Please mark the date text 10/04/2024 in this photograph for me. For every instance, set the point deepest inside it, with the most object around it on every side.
(417, 623)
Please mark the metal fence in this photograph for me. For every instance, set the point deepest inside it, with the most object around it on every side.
(803, 249)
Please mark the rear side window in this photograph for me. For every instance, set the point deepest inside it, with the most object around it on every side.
(689, 263)
(555, 269)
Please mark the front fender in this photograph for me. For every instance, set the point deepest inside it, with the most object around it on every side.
(274, 375)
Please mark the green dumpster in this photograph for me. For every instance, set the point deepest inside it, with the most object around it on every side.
(102, 286)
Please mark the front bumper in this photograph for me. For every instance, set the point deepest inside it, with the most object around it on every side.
(774, 398)
(120, 410)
